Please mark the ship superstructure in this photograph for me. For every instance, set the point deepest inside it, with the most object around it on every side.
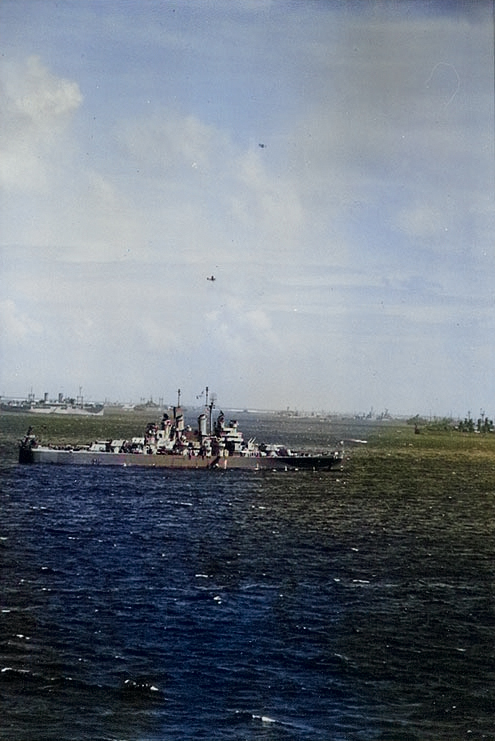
(173, 444)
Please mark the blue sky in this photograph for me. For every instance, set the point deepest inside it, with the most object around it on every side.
(353, 251)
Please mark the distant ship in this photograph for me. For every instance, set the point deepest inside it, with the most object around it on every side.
(170, 444)
(41, 407)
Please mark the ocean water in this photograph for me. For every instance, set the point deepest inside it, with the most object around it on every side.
(170, 606)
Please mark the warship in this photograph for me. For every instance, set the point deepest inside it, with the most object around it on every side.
(173, 444)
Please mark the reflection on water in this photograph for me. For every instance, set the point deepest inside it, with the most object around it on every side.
(153, 605)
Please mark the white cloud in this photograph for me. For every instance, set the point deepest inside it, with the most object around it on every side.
(15, 325)
(266, 203)
(240, 332)
(170, 143)
(39, 96)
(35, 107)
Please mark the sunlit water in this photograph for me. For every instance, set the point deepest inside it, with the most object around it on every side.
(153, 605)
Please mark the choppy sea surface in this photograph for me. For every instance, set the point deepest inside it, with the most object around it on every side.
(231, 606)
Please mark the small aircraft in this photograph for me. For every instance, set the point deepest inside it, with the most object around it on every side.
(211, 277)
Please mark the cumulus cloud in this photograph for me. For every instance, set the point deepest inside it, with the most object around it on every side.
(35, 107)
(240, 332)
(170, 143)
(15, 325)
(180, 158)
(270, 202)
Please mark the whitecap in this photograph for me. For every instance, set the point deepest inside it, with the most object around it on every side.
(264, 718)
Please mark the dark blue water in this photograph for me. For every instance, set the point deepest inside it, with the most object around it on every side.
(151, 605)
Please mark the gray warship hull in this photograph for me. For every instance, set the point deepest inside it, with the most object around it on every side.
(74, 457)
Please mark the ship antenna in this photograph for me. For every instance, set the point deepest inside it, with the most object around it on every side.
(178, 397)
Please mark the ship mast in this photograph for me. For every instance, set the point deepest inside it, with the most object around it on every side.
(209, 406)
(208, 411)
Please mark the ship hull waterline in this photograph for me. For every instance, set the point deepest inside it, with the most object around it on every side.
(41, 455)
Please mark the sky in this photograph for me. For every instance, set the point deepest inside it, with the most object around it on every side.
(330, 162)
